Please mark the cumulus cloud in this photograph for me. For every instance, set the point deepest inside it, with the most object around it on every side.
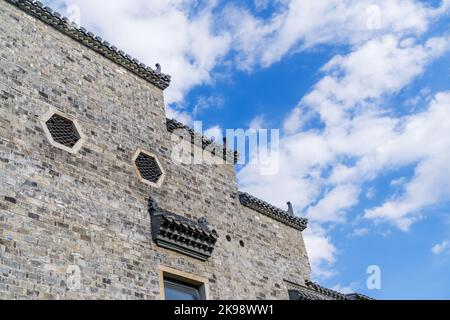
(379, 67)
(257, 122)
(321, 251)
(331, 207)
(178, 34)
(441, 247)
(360, 138)
(431, 181)
(179, 114)
(343, 289)
(323, 171)
(359, 232)
(299, 25)
(206, 103)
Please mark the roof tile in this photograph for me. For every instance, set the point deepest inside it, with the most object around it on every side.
(95, 43)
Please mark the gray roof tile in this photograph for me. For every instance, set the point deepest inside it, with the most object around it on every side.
(272, 211)
(88, 39)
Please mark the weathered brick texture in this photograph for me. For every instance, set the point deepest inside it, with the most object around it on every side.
(89, 210)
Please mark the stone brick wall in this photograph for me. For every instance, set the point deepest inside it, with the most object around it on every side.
(62, 214)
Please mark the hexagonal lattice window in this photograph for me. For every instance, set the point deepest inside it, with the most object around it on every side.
(148, 168)
(62, 131)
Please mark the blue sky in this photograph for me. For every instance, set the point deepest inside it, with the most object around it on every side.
(360, 91)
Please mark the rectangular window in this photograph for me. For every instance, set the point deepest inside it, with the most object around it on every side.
(176, 290)
(179, 285)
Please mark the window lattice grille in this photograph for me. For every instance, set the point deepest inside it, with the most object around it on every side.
(63, 131)
(148, 167)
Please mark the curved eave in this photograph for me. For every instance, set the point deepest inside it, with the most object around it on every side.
(271, 211)
(93, 42)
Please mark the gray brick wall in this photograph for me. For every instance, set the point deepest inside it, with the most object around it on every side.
(60, 212)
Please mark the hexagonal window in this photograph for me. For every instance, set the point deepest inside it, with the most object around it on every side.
(62, 131)
(148, 168)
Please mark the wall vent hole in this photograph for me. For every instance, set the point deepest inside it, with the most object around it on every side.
(148, 168)
(63, 131)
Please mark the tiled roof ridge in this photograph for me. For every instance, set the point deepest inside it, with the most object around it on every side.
(88, 39)
(270, 210)
(173, 124)
(335, 294)
(325, 291)
(358, 296)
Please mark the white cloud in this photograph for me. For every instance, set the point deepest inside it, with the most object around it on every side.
(257, 122)
(206, 103)
(359, 232)
(322, 253)
(343, 289)
(300, 24)
(398, 182)
(180, 115)
(331, 208)
(298, 179)
(261, 4)
(377, 68)
(179, 34)
(349, 102)
(362, 137)
(214, 133)
(431, 182)
(441, 247)
(298, 117)
(371, 192)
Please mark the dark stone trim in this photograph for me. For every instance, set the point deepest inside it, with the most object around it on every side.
(174, 232)
(272, 211)
(95, 43)
(173, 125)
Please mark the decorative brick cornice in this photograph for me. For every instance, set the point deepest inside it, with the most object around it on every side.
(95, 43)
(272, 211)
(173, 125)
(174, 232)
